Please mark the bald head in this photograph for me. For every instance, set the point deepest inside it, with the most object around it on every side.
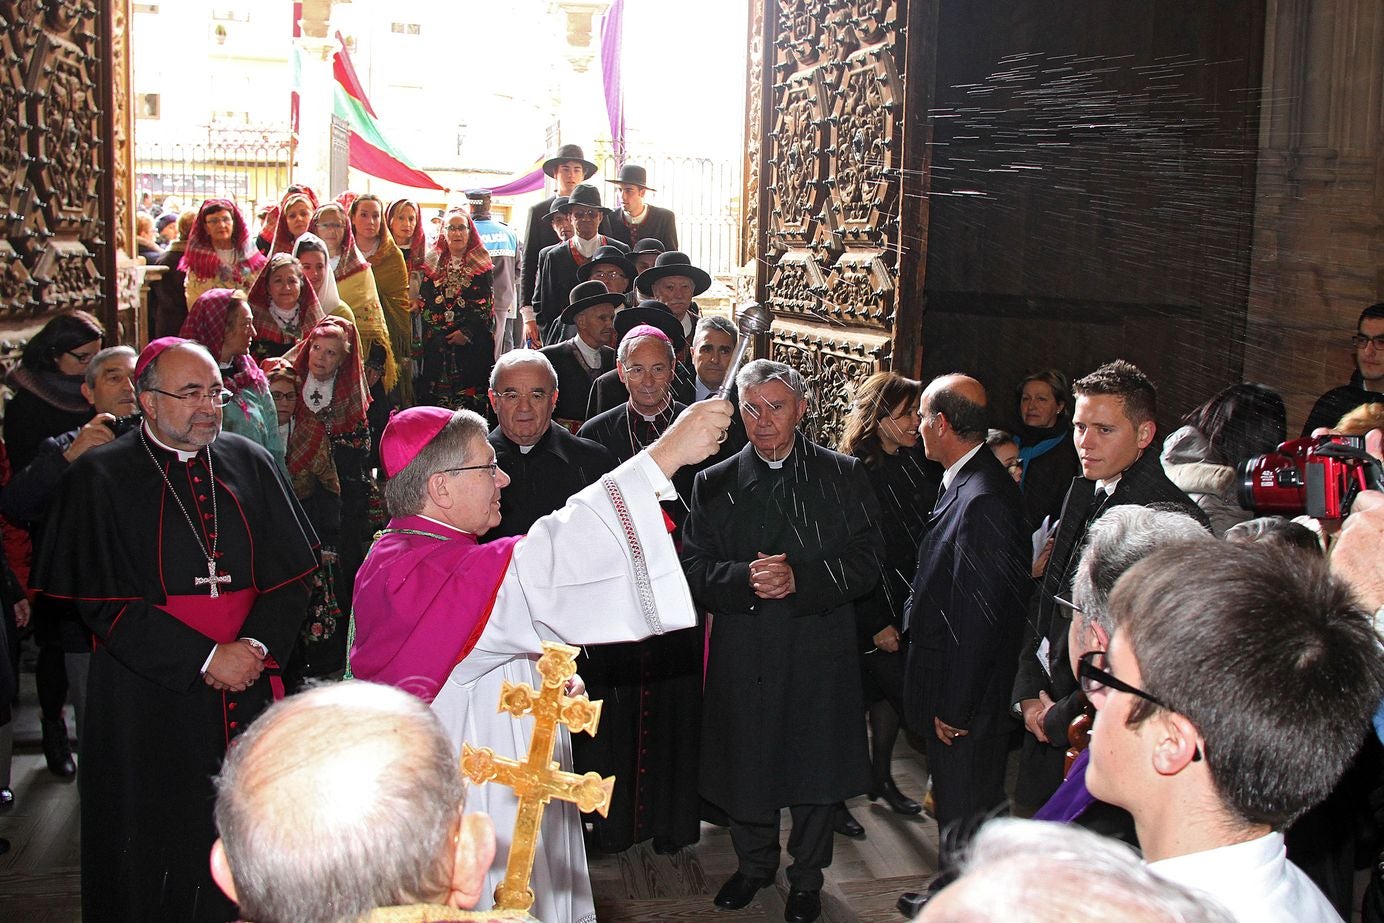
(955, 417)
(344, 797)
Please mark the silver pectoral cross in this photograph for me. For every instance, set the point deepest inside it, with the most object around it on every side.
(212, 578)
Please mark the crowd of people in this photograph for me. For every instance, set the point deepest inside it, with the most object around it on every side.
(473, 449)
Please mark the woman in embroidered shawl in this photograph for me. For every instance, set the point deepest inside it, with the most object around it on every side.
(221, 320)
(355, 283)
(457, 348)
(295, 215)
(284, 308)
(378, 246)
(219, 253)
(332, 405)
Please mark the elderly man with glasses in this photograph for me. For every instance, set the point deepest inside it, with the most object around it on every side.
(184, 552)
(450, 620)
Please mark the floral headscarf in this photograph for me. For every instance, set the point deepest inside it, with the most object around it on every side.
(474, 261)
(200, 257)
(350, 396)
(283, 240)
(206, 323)
(309, 310)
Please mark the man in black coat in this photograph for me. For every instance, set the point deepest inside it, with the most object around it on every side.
(966, 616)
(781, 539)
(1366, 385)
(546, 464)
(1113, 427)
(674, 281)
(608, 391)
(568, 167)
(636, 219)
(581, 359)
(558, 264)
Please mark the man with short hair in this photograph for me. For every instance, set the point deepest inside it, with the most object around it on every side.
(674, 281)
(289, 853)
(110, 390)
(1112, 427)
(966, 614)
(451, 621)
(503, 246)
(188, 558)
(558, 264)
(781, 539)
(1366, 384)
(608, 391)
(635, 218)
(546, 464)
(713, 344)
(568, 167)
(584, 357)
(1236, 690)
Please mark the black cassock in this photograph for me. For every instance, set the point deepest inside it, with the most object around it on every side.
(543, 479)
(575, 377)
(120, 547)
(651, 690)
(783, 721)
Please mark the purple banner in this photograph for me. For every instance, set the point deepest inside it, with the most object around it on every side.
(529, 182)
(612, 38)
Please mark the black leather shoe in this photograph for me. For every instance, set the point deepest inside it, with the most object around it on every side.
(739, 890)
(802, 906)
(56, 751)
(911, 903)
(846, 825)
(896, 799)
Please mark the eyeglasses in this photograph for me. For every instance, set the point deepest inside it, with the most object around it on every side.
(1360, 341)
(1091, 668)
(217, 398)
(608, 274)
(493, 467)
(80, 358)
(511, 396)
(456, 227)
(284, 395)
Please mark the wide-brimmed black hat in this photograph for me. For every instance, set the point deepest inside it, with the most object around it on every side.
(637, 176)
(673, 263)
(558, 207)
(647, 245)
(570, 152)
(655, 314)
(612, 255)
(589, 295)
(585, 195)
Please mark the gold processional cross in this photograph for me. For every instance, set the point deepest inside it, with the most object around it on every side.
(537, 780)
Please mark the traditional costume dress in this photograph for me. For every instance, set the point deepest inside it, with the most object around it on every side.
(449, 620)
(456, 293)
(251, 411)
(332, 412)
(391, 285)
(165, 554)
(276, 329)
(207, 267)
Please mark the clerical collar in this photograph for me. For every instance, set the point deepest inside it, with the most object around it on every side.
(955, 467)
(591, 355)
(586, 248)
(775, 465)
(526, 449)
(445, 525)
(182, 456)
(317, 392)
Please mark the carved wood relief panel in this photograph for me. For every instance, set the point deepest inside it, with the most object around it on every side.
(53, 149)
(830, 90)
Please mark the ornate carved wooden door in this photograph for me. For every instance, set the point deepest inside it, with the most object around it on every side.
(836, 222)
(56, 169)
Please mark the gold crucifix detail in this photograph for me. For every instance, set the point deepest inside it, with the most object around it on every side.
(537, 780)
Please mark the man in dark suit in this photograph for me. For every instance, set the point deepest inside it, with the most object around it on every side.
(635, 218)
(674, 281)
(1113, 428)
(608, 391)
(782, 538)
(583, 358)
(568, 167)
(966, 616)
(713, 344)
(545, 463)
(558, 264)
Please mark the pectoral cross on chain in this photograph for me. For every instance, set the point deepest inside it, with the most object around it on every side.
(537, 780)
(212, 578)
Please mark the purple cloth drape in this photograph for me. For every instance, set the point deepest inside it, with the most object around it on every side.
(612, 37)
(529, 182)
(1072, 797)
